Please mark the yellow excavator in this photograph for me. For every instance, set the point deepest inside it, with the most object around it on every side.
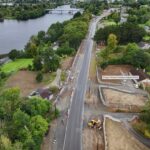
(94, 123)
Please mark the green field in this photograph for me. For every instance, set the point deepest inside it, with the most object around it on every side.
(14, 66)
(146, 38)
(108, 23)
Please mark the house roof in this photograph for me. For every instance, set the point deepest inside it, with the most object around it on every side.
(141, 44)
(44, 93)
(144, 45)
(139, 72)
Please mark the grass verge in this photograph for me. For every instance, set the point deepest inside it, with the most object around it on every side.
(14, 66)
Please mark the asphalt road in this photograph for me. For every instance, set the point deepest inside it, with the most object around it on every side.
(73, 135)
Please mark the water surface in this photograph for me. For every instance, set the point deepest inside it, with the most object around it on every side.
(15, 34)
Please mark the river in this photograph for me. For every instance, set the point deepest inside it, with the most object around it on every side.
(15, 34)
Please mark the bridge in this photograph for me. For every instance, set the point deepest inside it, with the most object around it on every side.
(63, 11)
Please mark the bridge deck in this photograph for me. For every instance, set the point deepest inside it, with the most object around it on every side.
(63, 10)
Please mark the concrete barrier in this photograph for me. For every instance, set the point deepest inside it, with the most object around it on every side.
(102, 97)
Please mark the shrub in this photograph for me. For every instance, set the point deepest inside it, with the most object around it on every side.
(104, 65)
(3, 75)
(37, 63)
(63, 76)
(54, 89)
(76, 15)
(39, 77)
(13, 54)
(56, 113)
(30, 67)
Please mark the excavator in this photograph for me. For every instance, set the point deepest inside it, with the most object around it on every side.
(95, 123)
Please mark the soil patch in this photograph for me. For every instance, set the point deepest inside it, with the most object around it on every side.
(113, 96)
(66, 63)
(92, 140)
(25, 80)
(119, 138)
(115, 70)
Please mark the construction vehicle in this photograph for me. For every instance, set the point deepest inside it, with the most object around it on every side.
(95, 124)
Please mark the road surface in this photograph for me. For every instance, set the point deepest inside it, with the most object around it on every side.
(73, 139)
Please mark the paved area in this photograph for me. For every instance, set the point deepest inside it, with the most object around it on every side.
(73, 140)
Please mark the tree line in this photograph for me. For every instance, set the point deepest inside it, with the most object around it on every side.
(25, 11)
(95, 6)
(126, 32)
(140, 15)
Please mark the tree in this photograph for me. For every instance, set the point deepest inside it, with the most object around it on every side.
(1, 16)
(51, 60)
(3, 75)
(25, 136)
(41, 35)
(130, 51)
(13, 54)
(115, 16)
(129, 2)
(6, 144)
(20, 120)
(135, 56)
(112, 42)
(144, 2)
(9, 102)
(55, 31)
(132, 19)
(31, 49)
(37, 106)
(76, 15)
(131, 48)
(65, 50)
(39, 126)
(37, 63)
(74, 32)
(105, 54)
(141, 59)
(39, 77)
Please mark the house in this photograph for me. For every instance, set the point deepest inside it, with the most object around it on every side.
(144, 45)
(147, 29)
(43, 93)
(144, 78)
